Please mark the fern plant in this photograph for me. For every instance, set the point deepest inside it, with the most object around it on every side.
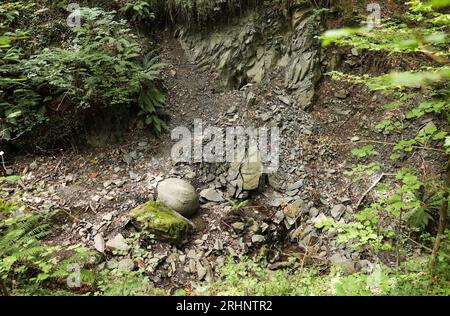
(151, 100)
(25, 260)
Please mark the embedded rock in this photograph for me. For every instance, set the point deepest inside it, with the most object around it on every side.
(211, 195)
(126, 265)
(341, 261)
(245, 175)
(99, 243)
(337, 211)
(117, 243)
(162, 221)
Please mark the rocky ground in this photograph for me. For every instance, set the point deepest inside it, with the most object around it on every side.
(96, 189)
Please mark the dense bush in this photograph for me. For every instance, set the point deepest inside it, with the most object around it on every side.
(100, 66)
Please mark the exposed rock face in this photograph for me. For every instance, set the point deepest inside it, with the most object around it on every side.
(178, 195)
(303, 68)
(245, 175)
(162, 221)
(232, 52)
(248, 50)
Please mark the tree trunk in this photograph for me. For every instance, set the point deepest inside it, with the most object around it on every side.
(3, 289)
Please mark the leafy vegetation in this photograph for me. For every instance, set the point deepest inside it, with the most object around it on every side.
(250, 277)
(100, 65)
(201, 12)
(139, 10)
(54, 84)
(27, 265)
(412, 204)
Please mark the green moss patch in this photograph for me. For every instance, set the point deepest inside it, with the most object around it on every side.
(162, 221)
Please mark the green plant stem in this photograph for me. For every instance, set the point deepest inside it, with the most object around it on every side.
(442, 222)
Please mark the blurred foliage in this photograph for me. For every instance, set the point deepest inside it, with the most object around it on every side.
(410, 205)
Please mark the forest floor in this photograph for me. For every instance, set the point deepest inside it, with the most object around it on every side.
(95, 189)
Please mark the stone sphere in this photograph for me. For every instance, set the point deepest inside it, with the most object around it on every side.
(178, 195)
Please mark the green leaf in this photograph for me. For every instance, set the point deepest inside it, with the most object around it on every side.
(439, 135)
(14, 114)
(326, 223)
(414, 113)
(363, 151)
(438, 3)
(447, 143)
(331, 36)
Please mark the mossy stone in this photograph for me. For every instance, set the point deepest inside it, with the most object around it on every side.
(162, 221)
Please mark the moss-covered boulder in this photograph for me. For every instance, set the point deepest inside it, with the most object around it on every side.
(162, 221)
